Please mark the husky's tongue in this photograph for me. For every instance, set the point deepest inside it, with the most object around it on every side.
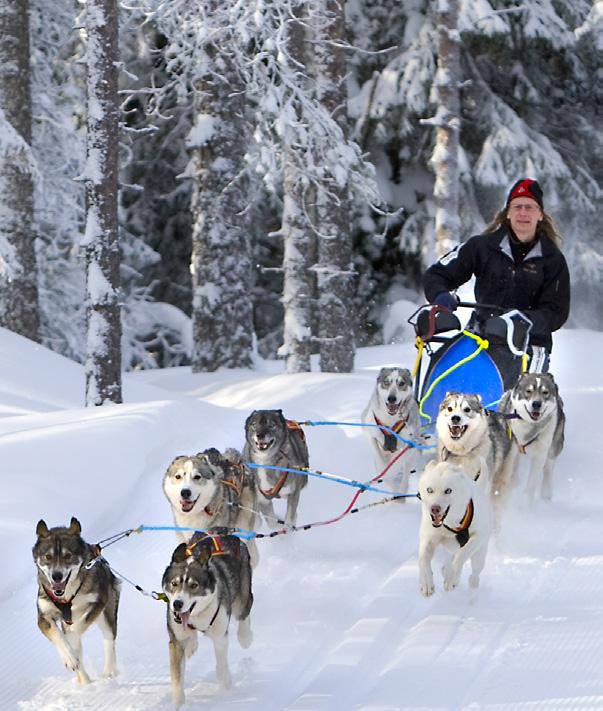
(535, 414)
(456, 431)
(184, 618)
(392, 409)
(187, 505)
(59, 588)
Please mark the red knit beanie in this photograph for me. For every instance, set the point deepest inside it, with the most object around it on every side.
(526, 188)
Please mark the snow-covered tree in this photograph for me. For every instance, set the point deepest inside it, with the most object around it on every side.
(103, 359)
(18, 270)
(447, 126)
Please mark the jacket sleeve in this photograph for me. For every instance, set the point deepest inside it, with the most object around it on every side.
(452, 270)
(553, 306)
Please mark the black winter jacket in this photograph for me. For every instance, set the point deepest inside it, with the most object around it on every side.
(539, 286)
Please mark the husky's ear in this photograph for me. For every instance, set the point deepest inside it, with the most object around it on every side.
(430, 465)
(75, 527)
(41, 529)
(180, 554)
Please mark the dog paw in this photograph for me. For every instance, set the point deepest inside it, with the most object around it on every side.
(178, 698)
(69, 659)
(110, 673)
(451, 578)
(427, 590)
(474, 580)
(82, 677)
(245, 638)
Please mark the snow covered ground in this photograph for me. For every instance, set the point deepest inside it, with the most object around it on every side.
(338, 619)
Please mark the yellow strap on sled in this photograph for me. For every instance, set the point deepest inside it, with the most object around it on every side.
(420, 345)
(483, 344)
(525, 358)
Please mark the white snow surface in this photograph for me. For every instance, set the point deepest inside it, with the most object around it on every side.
(338, 619)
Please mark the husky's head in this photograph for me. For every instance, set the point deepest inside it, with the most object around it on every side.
(188, 583)
(459, 415)
(265, 430)
(191, 482)
(534, 396)
(59, 553)
(394, 388)
(445, 489)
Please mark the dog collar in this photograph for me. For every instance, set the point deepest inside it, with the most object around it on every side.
(390, 441)
(62, 605)
(462, 531)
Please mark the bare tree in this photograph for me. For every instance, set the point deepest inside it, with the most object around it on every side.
(334, 270)
(447, 123)
(18, 272)
(296, 230)
(103, 361)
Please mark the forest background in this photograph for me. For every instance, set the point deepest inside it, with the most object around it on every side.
(278, 164)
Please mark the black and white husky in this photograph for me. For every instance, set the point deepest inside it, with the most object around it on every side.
(392, 405)
(72, 597)
(538, 426)
(469, 435)
(274, 441)
(207, 582)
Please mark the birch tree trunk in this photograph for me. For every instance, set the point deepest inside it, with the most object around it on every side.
(18, 272)
(221, 254)
(334, 270)
(103, 350)
(297, 235)
(445, 154)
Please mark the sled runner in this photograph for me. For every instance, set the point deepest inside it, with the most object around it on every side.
(463, 360)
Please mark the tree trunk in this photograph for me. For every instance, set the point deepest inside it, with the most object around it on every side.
(335, 270)
(18, 275)
(221, 254)
(297, 234)
(103, 361)
(445, 154)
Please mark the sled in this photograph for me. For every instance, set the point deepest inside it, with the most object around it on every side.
(463, 360)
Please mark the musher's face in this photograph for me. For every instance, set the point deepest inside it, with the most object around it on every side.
(524, 215)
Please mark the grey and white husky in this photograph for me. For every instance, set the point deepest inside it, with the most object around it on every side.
(538, 428)
(72, 597)
(274, 441)
(392, 405)
(469, 435)
(207, 582)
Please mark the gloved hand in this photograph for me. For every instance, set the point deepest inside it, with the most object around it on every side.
(446, 299)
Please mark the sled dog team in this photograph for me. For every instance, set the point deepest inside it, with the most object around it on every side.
(208, 581)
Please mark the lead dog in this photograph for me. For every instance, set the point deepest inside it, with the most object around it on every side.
(468, 435)
(455, 514)
(206, 582)
(271, 440)
(72, 597)
(392, 405)
(538, 426)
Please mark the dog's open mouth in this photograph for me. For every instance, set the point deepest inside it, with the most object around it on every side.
(182, 618)
(457, 431)
(438, 519)
(187, 504)
(264, 445)
(58, 589)
(534, 414)
(393, 409)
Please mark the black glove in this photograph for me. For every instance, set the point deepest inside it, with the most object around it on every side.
(446, 299)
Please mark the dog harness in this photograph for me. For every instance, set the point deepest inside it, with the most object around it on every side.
(296, 427)
(462, 532)
(63, 606)
(275, 490)
(390, 441)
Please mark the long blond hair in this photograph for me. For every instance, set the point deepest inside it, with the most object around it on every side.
(546, 225)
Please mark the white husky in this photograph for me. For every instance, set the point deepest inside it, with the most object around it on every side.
(392, 405)
(455, 514)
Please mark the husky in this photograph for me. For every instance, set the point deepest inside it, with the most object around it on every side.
(272, 440)
(469, 435)
(538, 426)
(211, 489)
(207, 581)
(392, 405)
(455, 514)
(71, 597)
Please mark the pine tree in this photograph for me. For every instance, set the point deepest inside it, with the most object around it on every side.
(103, 361)
(18, 270)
